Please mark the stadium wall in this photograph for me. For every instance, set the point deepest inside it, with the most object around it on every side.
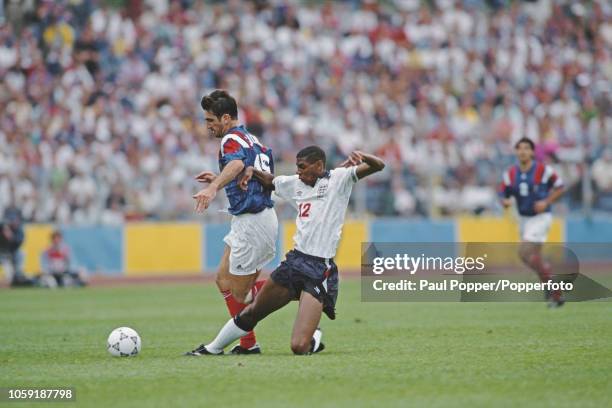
(148, 249)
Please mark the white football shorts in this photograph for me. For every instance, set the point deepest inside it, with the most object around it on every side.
(252, 241)
(535, 228)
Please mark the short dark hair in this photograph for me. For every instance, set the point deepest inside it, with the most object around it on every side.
(311, 154)
(219, 103)
(525, 140)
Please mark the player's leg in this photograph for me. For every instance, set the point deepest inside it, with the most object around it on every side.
(241, 286)
(304, 338)
(224, 281)
(271, 298)
(244, 290)
(531, 255)
(253, 245)
(534, 234)
(534, 231)
(223, 278)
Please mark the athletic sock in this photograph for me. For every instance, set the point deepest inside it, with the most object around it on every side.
(234, 308)
(258, 285)
(249, 340)
(254, 291)
(226, 336)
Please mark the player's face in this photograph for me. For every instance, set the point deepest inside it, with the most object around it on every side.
(524, 152)
(217, 127)
(309, 172)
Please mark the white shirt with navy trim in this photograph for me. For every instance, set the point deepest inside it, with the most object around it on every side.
(321, 209)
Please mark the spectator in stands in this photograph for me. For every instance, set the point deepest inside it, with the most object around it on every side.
(95, 96)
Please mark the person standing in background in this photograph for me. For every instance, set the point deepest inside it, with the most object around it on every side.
(11, 238)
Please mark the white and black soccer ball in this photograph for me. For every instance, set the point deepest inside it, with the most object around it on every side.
(123, 342)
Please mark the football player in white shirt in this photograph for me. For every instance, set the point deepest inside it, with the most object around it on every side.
(308, 273)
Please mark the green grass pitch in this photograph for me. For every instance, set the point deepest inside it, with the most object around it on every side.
(378, 354)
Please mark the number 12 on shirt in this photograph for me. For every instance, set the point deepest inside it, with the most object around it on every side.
(304, 209)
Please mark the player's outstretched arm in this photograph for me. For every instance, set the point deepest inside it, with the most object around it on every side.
(366, 163)
(230, 172)
(264, 178)
(505, 191)
(555, 194)
(206, 195)
(206, 177)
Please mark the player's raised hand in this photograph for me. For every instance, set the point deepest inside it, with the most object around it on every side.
(345, 163)
(354, 159)
(247, 175)
(206, 177)
(204, 197)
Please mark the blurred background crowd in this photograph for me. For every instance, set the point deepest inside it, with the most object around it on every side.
(101, 120)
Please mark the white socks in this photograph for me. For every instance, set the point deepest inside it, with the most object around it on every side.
(228, 334)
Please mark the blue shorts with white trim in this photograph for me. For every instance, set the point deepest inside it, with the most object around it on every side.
(302, 272)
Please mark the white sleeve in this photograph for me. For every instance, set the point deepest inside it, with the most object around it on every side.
(551, 178)
(346, 177)
(284, 186)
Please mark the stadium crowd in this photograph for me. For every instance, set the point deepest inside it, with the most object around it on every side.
(100, 107)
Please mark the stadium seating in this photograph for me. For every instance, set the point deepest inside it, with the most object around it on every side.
(101, 121)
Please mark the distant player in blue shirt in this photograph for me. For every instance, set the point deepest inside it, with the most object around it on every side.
(535, 186)
(251, 242)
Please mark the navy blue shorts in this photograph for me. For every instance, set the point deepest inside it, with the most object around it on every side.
(301, 272)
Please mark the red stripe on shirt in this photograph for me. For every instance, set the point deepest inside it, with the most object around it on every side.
(231, 146)
(512, 175)
(539, 173)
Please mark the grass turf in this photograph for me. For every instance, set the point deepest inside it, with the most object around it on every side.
(378, 354)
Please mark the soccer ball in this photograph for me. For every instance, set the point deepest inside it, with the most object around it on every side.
(123, 342)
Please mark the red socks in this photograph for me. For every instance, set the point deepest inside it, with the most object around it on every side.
(257, 287)
(236, 307)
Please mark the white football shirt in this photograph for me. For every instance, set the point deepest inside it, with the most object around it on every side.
(321, 209)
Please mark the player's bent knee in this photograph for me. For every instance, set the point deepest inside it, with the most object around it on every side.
(300, 346)
(223, 283)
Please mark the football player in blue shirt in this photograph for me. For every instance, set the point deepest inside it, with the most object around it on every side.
(535, 186)
(251, 242)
